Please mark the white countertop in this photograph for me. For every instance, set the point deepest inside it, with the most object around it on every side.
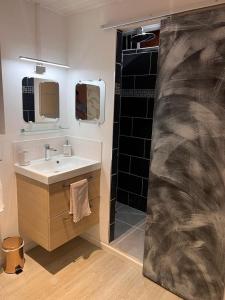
(58, 168)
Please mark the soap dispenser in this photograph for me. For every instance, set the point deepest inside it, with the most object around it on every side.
(67, 149)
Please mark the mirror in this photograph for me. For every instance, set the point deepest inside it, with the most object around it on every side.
(40, 100)
(90, 98)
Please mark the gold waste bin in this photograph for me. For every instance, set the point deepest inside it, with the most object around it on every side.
(14, 258)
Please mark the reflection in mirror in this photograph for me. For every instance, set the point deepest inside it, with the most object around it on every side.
(49, 99)
(90, 101)
(28, 99)
(40, 100)
(87, 102)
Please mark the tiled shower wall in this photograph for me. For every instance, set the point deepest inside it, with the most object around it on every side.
(133, 111)
(137, 103)
(116, 124)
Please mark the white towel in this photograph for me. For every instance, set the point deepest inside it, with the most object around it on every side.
(79, 203)
(1, 198)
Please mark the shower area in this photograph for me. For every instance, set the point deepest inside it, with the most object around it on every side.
(135, 81)
(184, 241)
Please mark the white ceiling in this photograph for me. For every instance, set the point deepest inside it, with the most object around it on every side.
(67, 7)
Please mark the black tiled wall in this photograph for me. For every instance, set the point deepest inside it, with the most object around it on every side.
(116, 128)
(133, 110)
(139, 73)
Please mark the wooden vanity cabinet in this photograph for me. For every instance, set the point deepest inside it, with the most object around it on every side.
(43, 210)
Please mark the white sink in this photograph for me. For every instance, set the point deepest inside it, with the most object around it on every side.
(57, 169)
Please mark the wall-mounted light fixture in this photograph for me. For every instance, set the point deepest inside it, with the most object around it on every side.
(43, 62)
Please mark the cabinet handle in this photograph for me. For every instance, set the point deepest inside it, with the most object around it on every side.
(66, 218)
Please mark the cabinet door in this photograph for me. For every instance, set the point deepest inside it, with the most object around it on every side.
(63, 229)
(33, 210)
(60, 192)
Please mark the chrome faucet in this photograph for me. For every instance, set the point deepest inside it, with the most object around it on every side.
(48, 150)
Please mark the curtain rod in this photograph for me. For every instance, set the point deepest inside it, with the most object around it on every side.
(152, 18)
(114, 26)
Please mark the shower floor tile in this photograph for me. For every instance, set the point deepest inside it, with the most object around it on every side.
(129, 231)
(141, 225)
(121, 228)
(119, 205)
(132, 244)
(129, 215)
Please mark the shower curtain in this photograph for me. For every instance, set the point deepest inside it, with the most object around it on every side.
(184, 242)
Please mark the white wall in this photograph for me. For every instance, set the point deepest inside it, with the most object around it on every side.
(17, 38)
(92, 56)
(2, 119)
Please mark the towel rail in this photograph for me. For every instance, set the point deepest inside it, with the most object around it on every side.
(67, 184)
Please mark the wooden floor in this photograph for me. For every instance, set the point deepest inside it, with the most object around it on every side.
(79, 270)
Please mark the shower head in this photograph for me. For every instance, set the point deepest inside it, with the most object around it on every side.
(142, 36)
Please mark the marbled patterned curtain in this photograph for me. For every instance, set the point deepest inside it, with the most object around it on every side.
(184, 243)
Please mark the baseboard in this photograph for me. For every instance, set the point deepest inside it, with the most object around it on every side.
(112, 250)
(28, 246)
(92, 240)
